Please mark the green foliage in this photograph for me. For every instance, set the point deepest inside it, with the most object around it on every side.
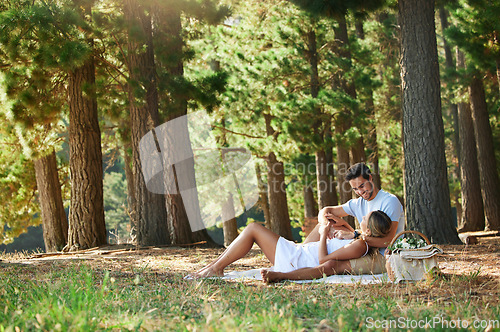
(334, 8)
(475, 31)
(17, 192)
(17, 179)
(45, 34)
(252, 69)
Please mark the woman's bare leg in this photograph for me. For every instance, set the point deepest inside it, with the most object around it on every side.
(253, 233)
(328, 268)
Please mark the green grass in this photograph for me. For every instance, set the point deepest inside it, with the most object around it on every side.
(80, 297)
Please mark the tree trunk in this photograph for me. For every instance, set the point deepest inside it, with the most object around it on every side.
(183, 207)
(310, 208)
(325, 192)
(263, 197)
(427, 195)
(331, 170)
(149, 209)
(86, 225)
(371, 144)
(343, 165)
(230, 226)
(278, 206)
(55, 225)
(87, 228)
(324, 181)
(488, 171)
(372, 147)
(131, 200)
(357, 149)
(472, 216)
(453, 111)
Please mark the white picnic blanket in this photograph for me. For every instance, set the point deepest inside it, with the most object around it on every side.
(254, 274)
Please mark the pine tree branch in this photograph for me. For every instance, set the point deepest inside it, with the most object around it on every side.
(120, 73)
(235, 133)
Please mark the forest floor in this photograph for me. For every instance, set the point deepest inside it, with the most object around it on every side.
(481, 259)
(467, 289)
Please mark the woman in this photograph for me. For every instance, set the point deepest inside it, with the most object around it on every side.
(288, 256)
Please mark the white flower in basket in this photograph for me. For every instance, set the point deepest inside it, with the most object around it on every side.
(411, 259)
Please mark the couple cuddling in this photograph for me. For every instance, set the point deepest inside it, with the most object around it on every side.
(333, 247)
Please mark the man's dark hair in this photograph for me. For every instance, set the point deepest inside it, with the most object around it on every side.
(357, 170)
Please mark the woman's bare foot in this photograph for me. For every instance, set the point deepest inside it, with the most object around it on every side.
(270, 277)
(206, 272)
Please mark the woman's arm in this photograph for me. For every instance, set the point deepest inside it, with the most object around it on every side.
(325, 212)
(382, 242)
(355, 249)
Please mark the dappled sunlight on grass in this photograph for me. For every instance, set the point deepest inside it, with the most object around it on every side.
(145, 290)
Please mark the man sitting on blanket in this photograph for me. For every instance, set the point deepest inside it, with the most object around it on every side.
(370, 199)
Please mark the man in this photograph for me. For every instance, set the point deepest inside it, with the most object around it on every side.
(370, 199)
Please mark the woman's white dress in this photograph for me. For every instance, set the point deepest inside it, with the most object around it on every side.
(292, 256)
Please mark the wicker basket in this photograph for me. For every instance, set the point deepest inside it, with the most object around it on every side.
(411, 264)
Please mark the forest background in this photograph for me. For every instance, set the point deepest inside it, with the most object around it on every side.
(84, 81)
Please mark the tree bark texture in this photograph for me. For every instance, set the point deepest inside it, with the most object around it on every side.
(472, 216)
(263, 197)
(87, 228)
(453, 112)
(488, 171)
(343, 164)
(169, 35)
(229, 226)
(310, 208)
(331, 170)
(149, 209)
(55, 224)
(131, 200)
(325, 186)
(278, 206)
(427, 195)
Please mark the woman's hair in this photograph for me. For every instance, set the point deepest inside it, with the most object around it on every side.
(379, 223)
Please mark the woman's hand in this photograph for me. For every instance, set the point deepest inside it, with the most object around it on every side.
(322, 215)
(324, 229)
(343, 234)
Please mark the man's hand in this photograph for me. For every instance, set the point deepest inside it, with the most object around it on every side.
(337, 221)
(325, 216)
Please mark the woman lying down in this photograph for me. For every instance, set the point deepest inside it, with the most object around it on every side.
(294, 261)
